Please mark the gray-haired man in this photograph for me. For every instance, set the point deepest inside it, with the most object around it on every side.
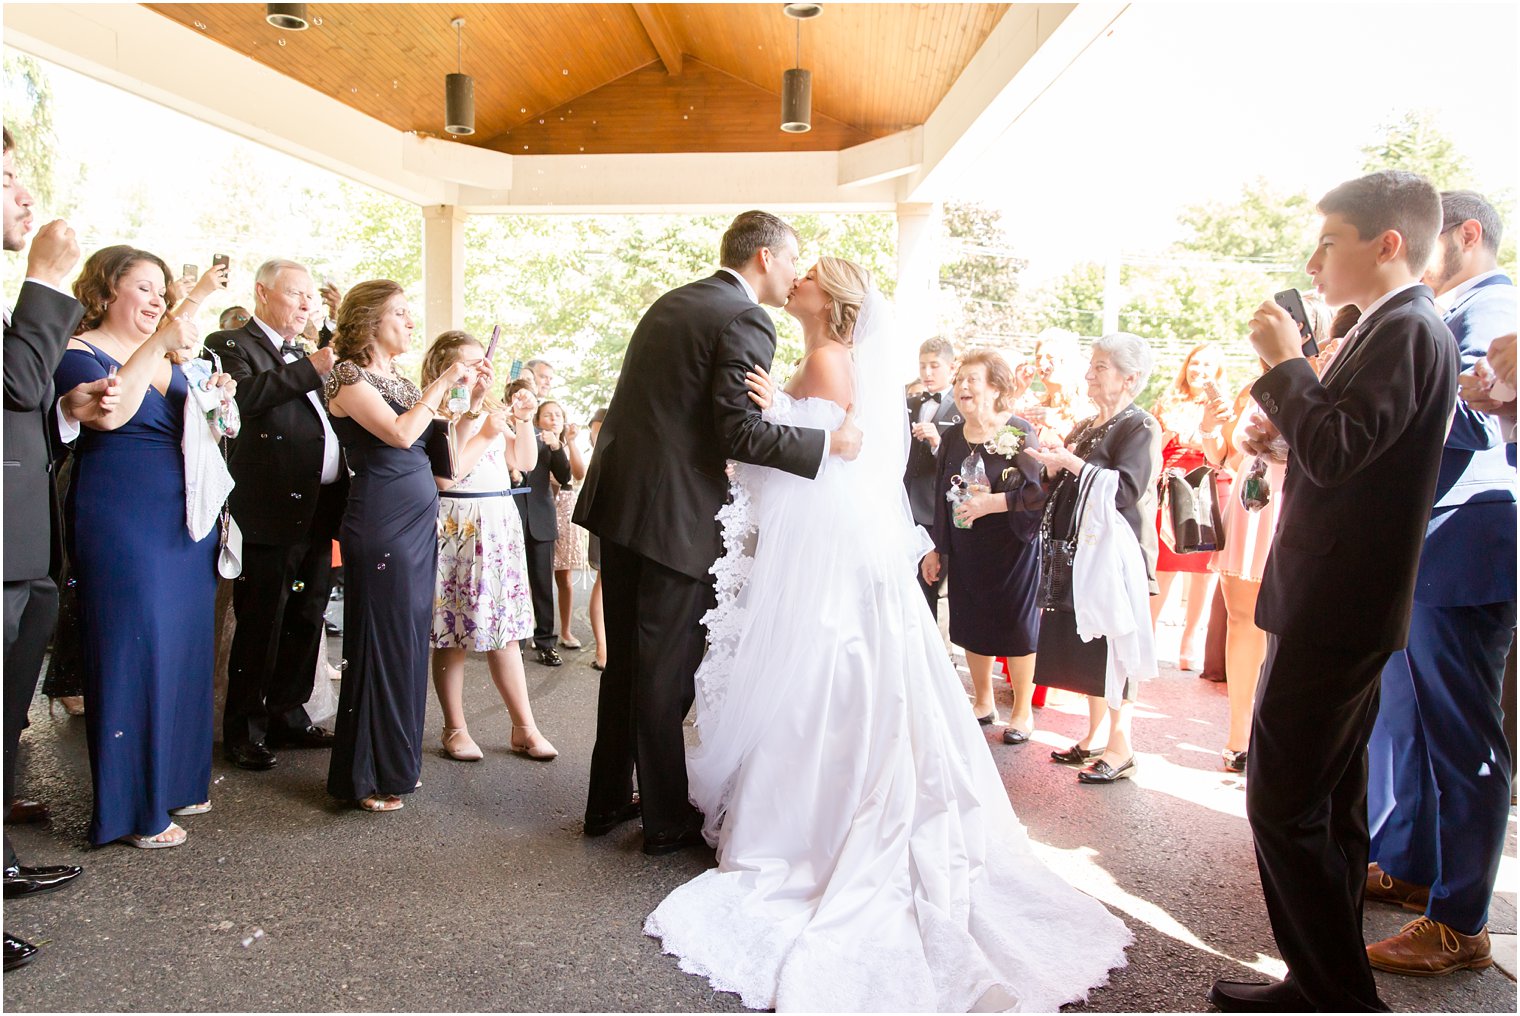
(291, 485)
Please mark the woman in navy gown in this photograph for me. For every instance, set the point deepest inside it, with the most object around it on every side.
(390, 545)
(146, 588)
(993, 553)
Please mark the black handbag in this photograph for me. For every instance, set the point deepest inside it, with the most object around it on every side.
(1191, 520)
(1057, 554)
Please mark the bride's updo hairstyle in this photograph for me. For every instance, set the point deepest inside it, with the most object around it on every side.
(359, 317)
(846, 285)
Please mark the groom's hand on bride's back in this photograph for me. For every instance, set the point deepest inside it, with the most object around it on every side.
(845, 442)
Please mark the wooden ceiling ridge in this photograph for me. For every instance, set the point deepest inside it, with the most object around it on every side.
(661, 35)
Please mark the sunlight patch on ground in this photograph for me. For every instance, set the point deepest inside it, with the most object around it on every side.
(1080, 868)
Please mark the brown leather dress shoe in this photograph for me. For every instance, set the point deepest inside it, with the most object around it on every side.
(1426, 948)
(1384, 888)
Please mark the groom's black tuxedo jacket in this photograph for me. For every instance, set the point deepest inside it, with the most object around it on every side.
(276, 460)
(656, 479)
(1366, 445)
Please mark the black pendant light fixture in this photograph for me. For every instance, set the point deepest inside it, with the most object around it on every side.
(290, 17)
(797, 84)
(459, 93)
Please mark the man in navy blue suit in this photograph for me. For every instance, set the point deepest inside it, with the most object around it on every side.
(1440, 764)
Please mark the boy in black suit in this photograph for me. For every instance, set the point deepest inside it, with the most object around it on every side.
(929, 413)
(1365, 449)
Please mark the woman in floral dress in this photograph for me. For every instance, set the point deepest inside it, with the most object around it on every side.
(482, 603)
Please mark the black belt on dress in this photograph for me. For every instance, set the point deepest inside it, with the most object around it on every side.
(484, 493)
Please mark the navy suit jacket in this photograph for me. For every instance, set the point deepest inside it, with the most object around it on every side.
(1469, 554)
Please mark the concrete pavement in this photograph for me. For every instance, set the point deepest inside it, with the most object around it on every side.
(482, 894)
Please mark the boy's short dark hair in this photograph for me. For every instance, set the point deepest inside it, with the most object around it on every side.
(1457, 206)
(748, 233)
(10, 142)
(938, 346)
(1391, 199)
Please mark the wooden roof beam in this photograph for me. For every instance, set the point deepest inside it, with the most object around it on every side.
(661, 35)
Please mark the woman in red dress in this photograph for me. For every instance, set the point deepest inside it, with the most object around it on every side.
(1200, 381)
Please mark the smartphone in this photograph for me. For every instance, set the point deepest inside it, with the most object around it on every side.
(221, 260)
(495, 338)
(1292, 301)
(514, 371)
(189, 272)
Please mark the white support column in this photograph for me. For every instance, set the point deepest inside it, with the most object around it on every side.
(918, 227)
(443, 266)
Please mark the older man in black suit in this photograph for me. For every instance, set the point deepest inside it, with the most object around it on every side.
(288, 503)
(1365, 450)
(652, 494)
(540, 521)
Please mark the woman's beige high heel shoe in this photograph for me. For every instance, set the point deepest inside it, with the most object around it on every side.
(459, 745)
(536, 747)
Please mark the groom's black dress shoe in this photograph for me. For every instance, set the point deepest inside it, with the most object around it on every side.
(601, 825)
(1241, 996)
(669, 843)
(17, 952)
(21, 880)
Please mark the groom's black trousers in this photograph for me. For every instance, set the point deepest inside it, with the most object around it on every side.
(655, 640)
(1306, 799)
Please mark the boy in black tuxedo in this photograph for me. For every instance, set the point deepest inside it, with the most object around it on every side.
(929, 413)
(1365, 449)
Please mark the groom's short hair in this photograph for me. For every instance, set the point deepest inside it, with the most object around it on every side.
(748, 233)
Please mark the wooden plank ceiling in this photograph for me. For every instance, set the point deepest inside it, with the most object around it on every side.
(554, 79)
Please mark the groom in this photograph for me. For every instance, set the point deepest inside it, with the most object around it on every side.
(652, 495)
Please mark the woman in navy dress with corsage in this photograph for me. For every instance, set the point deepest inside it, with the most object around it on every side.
(146, 587)
(989, 501)
(392, 437)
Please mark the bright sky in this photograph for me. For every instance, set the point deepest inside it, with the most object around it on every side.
(1181, 103)
(1186, 102)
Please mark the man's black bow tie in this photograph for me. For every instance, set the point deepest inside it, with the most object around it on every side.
(292, 349)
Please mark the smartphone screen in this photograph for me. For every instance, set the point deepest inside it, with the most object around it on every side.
(514, 371)
(495, 338)
(190, 272)
(1292, 301)
(223, 260)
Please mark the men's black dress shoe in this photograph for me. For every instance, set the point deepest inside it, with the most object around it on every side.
(1101, 772)
(548, 657)
(601, 825)
(24, 811)
(17, 952)
(669, 843)
(21, 880)
(1075, 756)
(250, 756)
(312, 737)
(1243, 996)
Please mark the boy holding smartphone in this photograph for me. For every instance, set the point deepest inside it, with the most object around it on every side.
(1365, 443)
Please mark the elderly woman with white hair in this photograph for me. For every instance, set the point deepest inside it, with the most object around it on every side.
(1117, 454)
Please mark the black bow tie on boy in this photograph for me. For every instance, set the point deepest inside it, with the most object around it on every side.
(931, 397)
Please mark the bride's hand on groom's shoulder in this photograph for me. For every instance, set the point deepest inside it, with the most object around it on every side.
(762, 391)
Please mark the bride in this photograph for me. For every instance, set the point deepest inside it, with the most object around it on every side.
(868, 858)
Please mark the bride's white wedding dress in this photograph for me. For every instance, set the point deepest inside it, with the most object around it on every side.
(869, 858)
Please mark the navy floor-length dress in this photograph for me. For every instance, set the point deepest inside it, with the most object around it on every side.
(146, 595)
(389, 539)
(994, 565)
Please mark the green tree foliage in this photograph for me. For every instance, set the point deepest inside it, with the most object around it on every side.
(29, 117)
(1413, 142)
(982, 272)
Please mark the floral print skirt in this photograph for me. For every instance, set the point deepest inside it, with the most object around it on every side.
(482, 600)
